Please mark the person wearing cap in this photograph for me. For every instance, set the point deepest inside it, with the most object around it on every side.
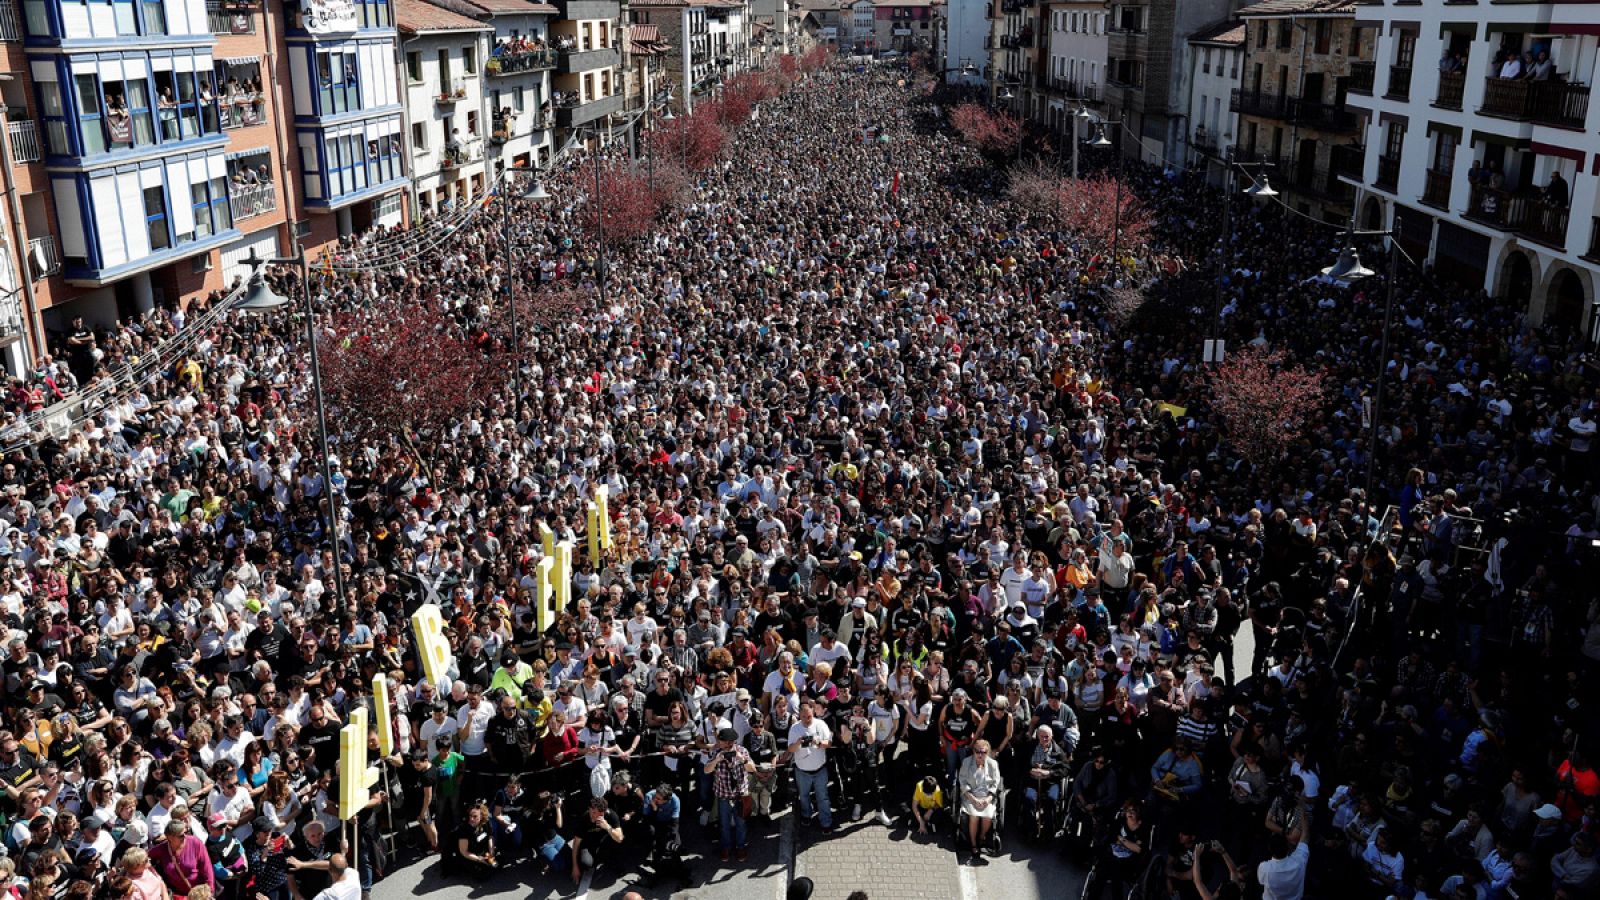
(510, 675)
(730, 767)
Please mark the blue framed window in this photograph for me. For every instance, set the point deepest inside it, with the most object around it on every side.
(338, 83)
(57, 130)
(188, 106)
(221, 209)
(156, 222)
(91, 116)
(128, 120)
(152, 18)
(126, 15)
(373, 13)
(200, 201)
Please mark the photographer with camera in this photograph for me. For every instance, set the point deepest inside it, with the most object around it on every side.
(809, 740)
(729, 769)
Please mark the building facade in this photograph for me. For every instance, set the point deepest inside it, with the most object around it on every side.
(1216, 64)
(1482, 171)
(966, 41)
(1146, 86)
(1075, 59)
(587, 87)
(904, 26)
(445, 56)
(1291, 102)
(144, 157)
(517, 80)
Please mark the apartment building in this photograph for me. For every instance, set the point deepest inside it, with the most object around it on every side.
(967, 39)
(905, 26)
(1216, 66)
(588, 85)
(1146, 84)
(1075, 51)
(446, 107)
(1291, 102)
(517, 79)
(709, 41)
(1479, 148)
(145, 155)
(1018, 56)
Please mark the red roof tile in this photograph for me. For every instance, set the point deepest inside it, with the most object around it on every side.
(415, 17)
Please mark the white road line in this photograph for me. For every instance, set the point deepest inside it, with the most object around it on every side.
(785, 854)
(969, 882)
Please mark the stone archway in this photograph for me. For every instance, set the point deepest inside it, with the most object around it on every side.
(1372, 214)
(1516, 279)
(1564, 301)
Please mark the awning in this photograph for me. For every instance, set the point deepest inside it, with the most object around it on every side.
(253, 151)
(241, 60)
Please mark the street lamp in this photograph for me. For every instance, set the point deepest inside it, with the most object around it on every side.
(535, 194)
(1259, 189)
(1346, 270)
(259, 297)
(1082, 115)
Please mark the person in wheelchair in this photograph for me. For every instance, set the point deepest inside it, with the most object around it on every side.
(1094, 796)
(1123, 858)
(980, 789)
(1047, 769)
(927, 804)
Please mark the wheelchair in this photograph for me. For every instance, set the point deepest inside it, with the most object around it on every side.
(1042, 818)
(963, 825)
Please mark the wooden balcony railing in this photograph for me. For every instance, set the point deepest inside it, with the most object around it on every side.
(1451, 87)
(1362, 74)
(1388, 172)
(1399, 83)
(1558, 103)
(1436, 190)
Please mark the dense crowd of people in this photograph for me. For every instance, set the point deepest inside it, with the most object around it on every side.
(906, 534)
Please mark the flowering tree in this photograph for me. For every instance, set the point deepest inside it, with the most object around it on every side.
(997, 134)
(789, 66)
(696, 139)
(406, 372)
(626, 205)
(815, 58)
(1035, 188)
(671, 184)
(1262, 402)
(1090, 206)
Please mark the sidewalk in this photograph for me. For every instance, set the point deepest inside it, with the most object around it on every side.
(888, 863)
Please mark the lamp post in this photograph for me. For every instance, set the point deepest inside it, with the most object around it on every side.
(1260, 189)
(537, 194)
(259, 297)
(1082, 115)
(1349, 269)
(1102, 142)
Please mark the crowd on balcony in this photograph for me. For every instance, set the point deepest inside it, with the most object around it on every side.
(566, 99)
(1526, 65)
(514, 46)
(908, 527)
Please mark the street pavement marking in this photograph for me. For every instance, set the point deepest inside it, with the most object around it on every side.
(785, 853)
(969, 882)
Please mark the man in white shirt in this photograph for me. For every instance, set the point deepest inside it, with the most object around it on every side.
(1014, 577)
(809, 740)
(439, 721)
(1283, 877)
(344, 883)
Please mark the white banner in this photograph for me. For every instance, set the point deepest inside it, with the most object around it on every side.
(328, 16)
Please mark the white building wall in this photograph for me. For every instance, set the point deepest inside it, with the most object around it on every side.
(966, 30)
(468, 115)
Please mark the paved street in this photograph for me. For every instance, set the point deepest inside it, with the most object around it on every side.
(887, 863)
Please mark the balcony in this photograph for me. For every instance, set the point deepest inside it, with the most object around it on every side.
(1323, 116)
(572, 114)
(575, 60)
(43, 257)
(24, 139)
(1388, 172)
(518, 61)
(247, 200)
(1594, 240)
(456, 90)
(1362, 74)
(1451, 87)
(10, 21)
(1527, 215)
(1436, 190)
(230, 17)
(1533, 218)
(1126, 43)
(1347, 160)
(11, 325)
(1021, 41)
(1558, 103)
(469, 151)
(1399, 83)
(241, 110)
(1256, 103)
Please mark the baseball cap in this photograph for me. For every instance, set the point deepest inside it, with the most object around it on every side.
(1548, 811)
(727, 734)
